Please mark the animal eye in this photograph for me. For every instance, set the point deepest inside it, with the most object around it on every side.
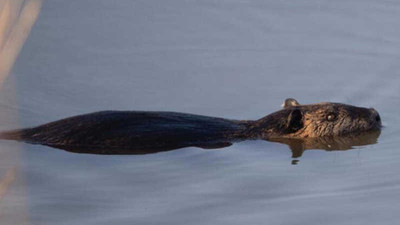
(331, 117)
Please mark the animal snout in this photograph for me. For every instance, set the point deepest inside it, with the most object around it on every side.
(375, 116)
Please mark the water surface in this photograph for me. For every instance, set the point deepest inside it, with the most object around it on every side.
(231, 59)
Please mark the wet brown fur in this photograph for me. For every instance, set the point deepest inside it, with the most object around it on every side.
(309, 121)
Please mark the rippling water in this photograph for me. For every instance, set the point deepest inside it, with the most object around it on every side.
(233, 59)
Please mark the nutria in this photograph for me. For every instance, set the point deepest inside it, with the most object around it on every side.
(139, 132)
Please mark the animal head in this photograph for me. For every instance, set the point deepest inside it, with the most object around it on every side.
(318, 120)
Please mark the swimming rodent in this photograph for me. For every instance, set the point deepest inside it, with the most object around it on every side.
(141, 132)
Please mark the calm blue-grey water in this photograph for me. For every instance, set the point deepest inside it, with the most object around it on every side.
(236, 59)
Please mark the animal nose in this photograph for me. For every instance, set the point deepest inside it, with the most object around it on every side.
(375, 115)
(377, 118)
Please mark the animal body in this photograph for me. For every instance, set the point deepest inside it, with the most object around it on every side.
(139, 132)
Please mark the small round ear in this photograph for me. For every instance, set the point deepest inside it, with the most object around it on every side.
(289, 102)
(294, 121)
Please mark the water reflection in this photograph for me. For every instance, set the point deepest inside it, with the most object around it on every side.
(17, 18)
(297, 146)
(6, 181)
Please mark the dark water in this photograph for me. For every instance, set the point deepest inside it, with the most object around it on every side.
(231, 59)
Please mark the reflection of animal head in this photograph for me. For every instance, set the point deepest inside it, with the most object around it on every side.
(316, 120)
(328, 143)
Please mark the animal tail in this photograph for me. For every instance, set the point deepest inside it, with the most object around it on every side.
(12, 134)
